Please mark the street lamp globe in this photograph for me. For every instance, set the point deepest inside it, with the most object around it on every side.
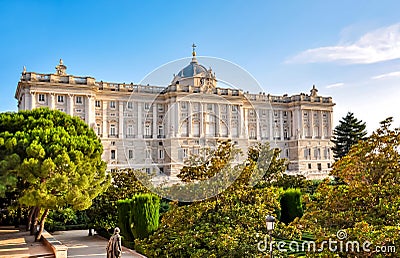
(270, 221)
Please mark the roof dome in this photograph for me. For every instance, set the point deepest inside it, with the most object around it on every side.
(192, 69)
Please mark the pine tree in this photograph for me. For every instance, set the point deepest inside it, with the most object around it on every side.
(55, 157)
(346, 134)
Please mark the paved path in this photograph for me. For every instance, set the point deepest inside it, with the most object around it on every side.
(15, 243)
(81, 245)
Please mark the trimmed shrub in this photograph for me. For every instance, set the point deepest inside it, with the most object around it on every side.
(145, 215)
(124, 216)
(291, 206)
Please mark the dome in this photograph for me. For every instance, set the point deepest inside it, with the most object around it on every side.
(192, 69)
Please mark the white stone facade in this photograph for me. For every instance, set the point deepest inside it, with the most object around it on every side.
(157, 128)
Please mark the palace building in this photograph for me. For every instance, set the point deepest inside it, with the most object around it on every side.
(158, 128)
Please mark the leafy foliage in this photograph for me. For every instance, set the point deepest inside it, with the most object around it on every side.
(367, 203)
(349, 131)
(229, 224)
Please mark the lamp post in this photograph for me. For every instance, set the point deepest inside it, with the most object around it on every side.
(270, 222)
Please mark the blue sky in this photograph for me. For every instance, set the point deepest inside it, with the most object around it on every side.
(349, 49)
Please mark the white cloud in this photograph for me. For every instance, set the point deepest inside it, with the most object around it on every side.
(386, 75)
(376, 46)
(334, 85)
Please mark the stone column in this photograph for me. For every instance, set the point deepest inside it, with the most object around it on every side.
(321, 125)
(33, 99)
(271, 124)
(177, 113)
(139, 120)
(311, 122)
(52, 101)
(330, 123)
(201, 119)
(154, 120)
(104, 110)
(70, 105)
(241, 122)
(218, 121)
(281, 123)
(258, 129)
(228, 120)
(121, 119)
(89, 111)
(246, 123)
(189, 119)
(301, 122)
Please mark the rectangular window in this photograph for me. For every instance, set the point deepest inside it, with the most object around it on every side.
(160, 107)
(160, 130)
(146, 106)
(209, 107)
(112, 130)
(97, 103)
(112, 104)
(130, 130)
(161, 154)
(60, 99)
(234, 108)
(185, 153)
(129, 105)
(112, 154)
(309, 165)
(147, 131)
(130, 154)
(78, 100)
(41, 98)
(183, 105)
(98, 129)
(319, 166)
(148, 171)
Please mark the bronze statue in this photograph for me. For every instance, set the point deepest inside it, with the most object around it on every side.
(114, 248)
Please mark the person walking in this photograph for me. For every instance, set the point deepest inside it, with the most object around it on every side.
(114, 248)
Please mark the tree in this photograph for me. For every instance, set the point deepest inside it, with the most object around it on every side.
(346, 134)
(367, 204)
(56, 157)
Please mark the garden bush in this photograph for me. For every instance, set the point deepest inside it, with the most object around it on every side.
(124, 217)
(291, 206)
(145, 210)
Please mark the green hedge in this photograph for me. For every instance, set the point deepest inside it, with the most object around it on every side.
(145, 215)
(291, 206)
(124, 217)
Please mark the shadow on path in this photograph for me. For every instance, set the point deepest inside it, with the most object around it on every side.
(17, 243)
